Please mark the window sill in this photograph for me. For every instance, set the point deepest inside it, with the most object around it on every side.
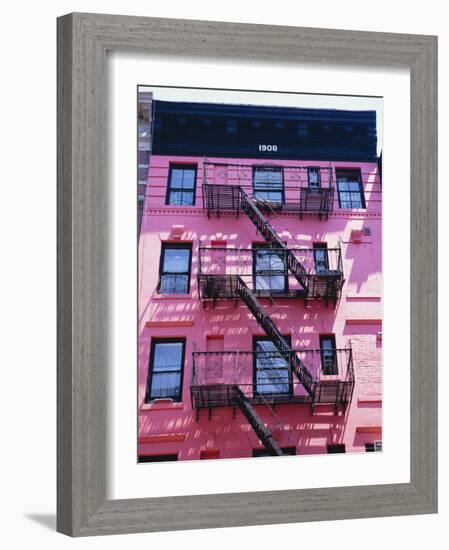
(163, 405)
(172, 296)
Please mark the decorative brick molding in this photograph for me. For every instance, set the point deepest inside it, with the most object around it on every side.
(170, 323)
(162, 438)
(368, 429)
(364, 321)
(162, 405)
(362, 400)
(363, 297)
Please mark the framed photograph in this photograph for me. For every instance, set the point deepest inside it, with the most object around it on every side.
(246, 274)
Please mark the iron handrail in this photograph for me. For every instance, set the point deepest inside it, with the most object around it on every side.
(343, 357)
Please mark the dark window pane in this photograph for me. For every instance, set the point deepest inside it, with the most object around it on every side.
(356, 201)
(165, 370)
(272, 382)
(345, 200)
(178, 198)
(175, 270)
(268, 183)
(350, 189)
(272, 196)
(329, 364)
(176, 260)
(188, 181)
(338, 448)
(165, 385)
(314, 177)
(174, 284)
(321, 257)
(182, 186)
(167, 356)
(176, 177)
(268, 176)
(275, 282)
(272, 371)
(175, 197)
(270, 270)
(187, 198)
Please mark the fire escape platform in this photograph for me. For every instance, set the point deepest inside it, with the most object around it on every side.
(219, 287)
(227, 198)
(223, 395)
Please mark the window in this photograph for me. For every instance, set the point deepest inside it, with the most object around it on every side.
(265, 452)
(314, 177)
(166, 366)
(350, 189)
(181, 185)
(321, 257)
(270, 269)
(272, 373)
(268, 183)
(175, 269)
(373, 447)
(338, 448)
(328, 352)
(157, 458)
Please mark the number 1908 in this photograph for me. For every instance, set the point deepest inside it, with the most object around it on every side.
(273, 148)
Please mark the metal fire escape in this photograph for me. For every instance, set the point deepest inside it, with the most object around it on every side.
(218, 198)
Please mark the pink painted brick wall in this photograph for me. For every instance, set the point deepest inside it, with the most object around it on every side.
(355, 322)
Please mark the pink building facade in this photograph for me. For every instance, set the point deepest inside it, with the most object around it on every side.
(260, 298)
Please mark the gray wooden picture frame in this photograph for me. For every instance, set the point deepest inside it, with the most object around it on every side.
(83, 41)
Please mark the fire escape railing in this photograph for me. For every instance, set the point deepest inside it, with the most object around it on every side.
(272, 238)
(220, 197)
(229, 378)
(218, 266)
(214, 374)
(297, 194)
(328, 286)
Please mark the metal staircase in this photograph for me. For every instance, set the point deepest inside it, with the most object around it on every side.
(262, 317)
(262, 432)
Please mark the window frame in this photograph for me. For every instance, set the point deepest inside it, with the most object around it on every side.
(320, 247)
(154, 342)
(268, 169)
(262, 246)
(255, 369)
(374, 447)
(181, 166)
(179, 246)
(330, 337)
(318, 170)
(361, 190)
(335, 448)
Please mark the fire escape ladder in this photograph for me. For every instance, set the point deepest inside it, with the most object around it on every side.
(262, 317)
(262, 432)
(270, 235)
(278, 421)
